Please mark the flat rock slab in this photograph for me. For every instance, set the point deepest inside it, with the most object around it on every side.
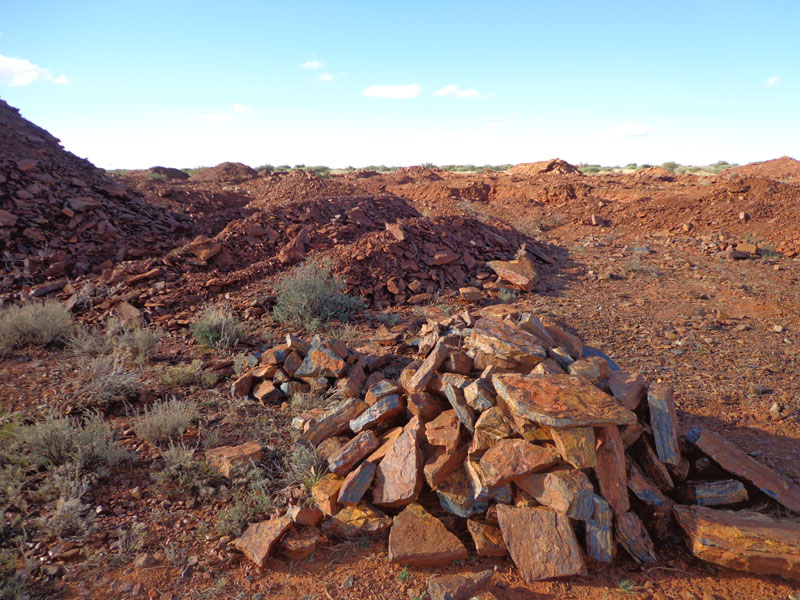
(356, 484)
(225, 458)
(458, 587)
(629, 389)
(418, 538)
(541, 542)
(349, 455)
(736, 462)
(513, 347)
(511, 459)
(664, 421)
(398, 480)
(560, 401)
(600, 532)
(334, 421)
(715, 493)
(383, 411)
(257, 542)
(300, 543)
(576, 445)
(611, 469)
(632, 535)
(355, 521)
(326, 492)
(742, 540)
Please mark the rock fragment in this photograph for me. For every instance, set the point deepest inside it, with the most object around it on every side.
(258, 540)
(418, 538)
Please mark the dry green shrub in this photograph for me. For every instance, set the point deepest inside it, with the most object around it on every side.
(217, 328)
(34, 324)
(164, 421)
(186, 375)
(183, 474)
(108, 380)
(304, 465)
(70, 517)
(129, 542)
(86, 444)
(136, 342)
(311, 296)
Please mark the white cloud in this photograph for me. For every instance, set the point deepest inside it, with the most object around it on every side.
(325, 77)
(628, 130)
(17, 72)
(240, 108)
(217, 117)
(312, 64)
(61, 80)
(774, 80)
(456, 92)
(392, 91)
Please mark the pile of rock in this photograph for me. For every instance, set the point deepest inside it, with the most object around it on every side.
(61, 217)
(543, 445)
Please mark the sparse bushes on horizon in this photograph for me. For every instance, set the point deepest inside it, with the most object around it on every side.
(311, 295)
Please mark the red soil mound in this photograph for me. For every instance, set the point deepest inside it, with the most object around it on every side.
(555, 165)
(778, 168)
(229, 172)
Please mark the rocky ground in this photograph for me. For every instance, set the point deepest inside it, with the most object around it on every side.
(689, 282)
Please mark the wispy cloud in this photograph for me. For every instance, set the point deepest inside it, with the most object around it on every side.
(240, 108)
(392, 91)
(17, 72)
(457, 92)
(774, 80)
(217, 117)
(325, 77)
(628, 130)
(312, 64)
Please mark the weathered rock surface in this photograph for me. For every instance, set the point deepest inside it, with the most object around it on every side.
(560, 401)
(487, 537)
(354, 521)
(418, 538)
(258, 540)
(356, 484)
(507, 345)
(398, 480)
(567, 491)
(326, 493)
(715, 493)
(334, 421)
(610, 469)
(733, 460)
(300, 543)
(511, 459)
(599, 531)
(660, 399)
(576, 445)
(458, 587)
(353, 452)
(742, 540)
(627, 388)
(541, 543)
(632, 535)
(225, 458)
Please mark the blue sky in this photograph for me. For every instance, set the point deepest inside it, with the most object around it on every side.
(355, 83)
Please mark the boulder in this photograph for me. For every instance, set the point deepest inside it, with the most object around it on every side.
(511, 459)
(398, 480)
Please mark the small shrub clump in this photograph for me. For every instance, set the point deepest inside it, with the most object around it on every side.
(34, 324)
(186, 375)
(217, 328)
(108, 380)
(311, 296)
(165, 421)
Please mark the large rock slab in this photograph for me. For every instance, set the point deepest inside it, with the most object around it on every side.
(520, 272)
(258, 540)
(418, 538)
(444, 430)
(383, 411)
(611, 470)
(356, 521)
(511, 459)
(487, 537)
(349, 455)
(742, 540)
(736, 462)
(457, 497)
(509, 346)
(715, 493)
(664, 421)
(323, 360)
(398, 480)
(600, 532)
(356, 484)
(629, 389)
(632, 535)
(334, 421)
(541, 542)
(419, 381)
(442, 463)
(560, 401)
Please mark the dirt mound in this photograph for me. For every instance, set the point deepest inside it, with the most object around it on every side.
(168, 172)
(415, 259)
(60, 216)
(784, 167)
(280, 188)
(229, 172)
(555, 165)
(417, 174)
(653, 174)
